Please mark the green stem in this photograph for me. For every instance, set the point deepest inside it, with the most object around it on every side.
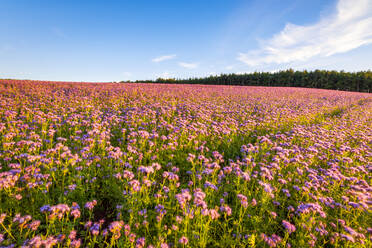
(8, 232)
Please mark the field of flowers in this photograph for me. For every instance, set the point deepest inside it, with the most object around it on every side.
(146, 165)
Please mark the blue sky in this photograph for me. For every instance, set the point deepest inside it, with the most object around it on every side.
(129, 40)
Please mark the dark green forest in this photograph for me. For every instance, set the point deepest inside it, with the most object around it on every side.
(322, 79)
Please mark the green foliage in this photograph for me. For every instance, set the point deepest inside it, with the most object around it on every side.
(322, 79)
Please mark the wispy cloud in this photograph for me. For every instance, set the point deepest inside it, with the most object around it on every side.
(5, 48)
(188, 65)
(58, 32)
(243, 72)
(163, 58)
(349, 27)
(127, 74)
(164, 75)
(212, 73)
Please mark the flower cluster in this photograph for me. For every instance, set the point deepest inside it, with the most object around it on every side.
(148, 165)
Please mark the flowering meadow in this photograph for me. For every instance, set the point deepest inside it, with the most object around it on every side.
(147, 165)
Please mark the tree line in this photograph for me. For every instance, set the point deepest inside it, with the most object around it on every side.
(337, 80)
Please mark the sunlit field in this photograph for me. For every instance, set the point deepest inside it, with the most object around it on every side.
(147, 165)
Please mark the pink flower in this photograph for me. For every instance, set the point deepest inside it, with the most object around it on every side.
(214, 214)
(288, 226)
(183, 240)
(75, 213)
(34, 225)
(2, 217)
(75, 243)
(243, 200)
(72, 235)
(225, 208)
(90, 205)
(140, 242)
(254, 202)
(116, 226)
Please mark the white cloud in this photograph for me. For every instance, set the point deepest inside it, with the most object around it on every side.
(188, 65)
(348, 28)
(58, 32)
(163, 58)
(127, 74)
(243, 72)
(6, 48)
(212, 73)
(164, 75)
